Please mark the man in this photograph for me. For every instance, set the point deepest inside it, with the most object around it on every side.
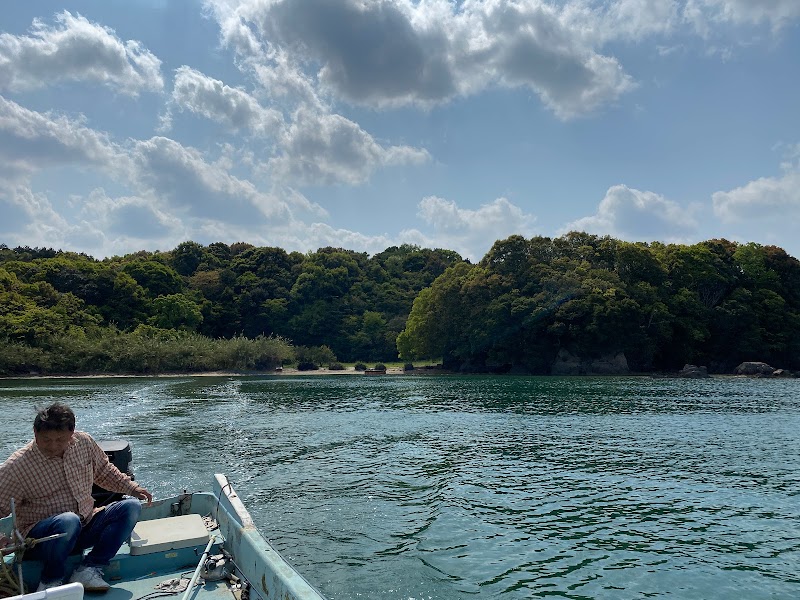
(50, 481)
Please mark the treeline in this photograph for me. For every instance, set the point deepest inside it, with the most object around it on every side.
(200, 308)
(528, 301)
(715, 303)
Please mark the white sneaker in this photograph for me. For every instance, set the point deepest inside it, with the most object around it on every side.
(46, 586)
(91, 578)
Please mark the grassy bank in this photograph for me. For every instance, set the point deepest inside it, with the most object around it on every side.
(144, 352)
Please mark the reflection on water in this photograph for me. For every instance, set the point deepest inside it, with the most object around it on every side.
(448, 487)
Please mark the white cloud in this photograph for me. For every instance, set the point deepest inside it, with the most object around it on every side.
(130, 217)
(305, 237)
(773, 199)
(182, 178)
(210, 98)
(765, 210)
(178, 193)
(366, 52)
(25, 211)
(283, 81)
(29, 219)
(395, 53)
(636, 19)
(178, 180)
(31, 141)
(317, 147)
(75, 49)
(636, 215)
(320, 148)
(304, 59)
(101, 226)
(704, 14)
(469, 232)
(630, 20)
(529, 44)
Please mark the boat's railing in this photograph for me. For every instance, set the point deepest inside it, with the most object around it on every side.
(229, 500)
(262, 565)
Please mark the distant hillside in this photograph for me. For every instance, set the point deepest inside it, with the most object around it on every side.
(527, 302)
(352, 303)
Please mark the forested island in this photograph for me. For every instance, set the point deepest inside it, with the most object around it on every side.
(575, 303)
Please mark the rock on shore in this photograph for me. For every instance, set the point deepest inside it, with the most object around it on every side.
(567, 363)
(693, 372)
(754, 368)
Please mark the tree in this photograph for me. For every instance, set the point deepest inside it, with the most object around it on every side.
(186, 258)
(175, 311)
(436, 323)
(368, 339)
(156, 278)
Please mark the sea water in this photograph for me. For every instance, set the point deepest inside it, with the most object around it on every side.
(447, 487)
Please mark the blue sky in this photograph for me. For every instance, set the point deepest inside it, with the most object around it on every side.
(136, 125)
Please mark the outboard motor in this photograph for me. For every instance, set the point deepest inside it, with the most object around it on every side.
(120, 455)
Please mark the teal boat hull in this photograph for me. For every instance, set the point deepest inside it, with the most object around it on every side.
(258, 570)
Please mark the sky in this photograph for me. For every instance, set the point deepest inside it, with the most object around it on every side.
(130, 125)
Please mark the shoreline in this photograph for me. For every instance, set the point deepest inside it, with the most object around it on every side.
(393, 371)
(285, 371)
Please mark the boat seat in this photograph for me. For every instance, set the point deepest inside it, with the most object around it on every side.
(170, 533)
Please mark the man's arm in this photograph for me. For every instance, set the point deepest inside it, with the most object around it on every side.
(5, 503)
(9, 487)
(109, 477)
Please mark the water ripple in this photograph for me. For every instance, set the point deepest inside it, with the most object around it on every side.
(422, 488)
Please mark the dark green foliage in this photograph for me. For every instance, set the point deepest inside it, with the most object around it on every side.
(346, 301)
(715, 303)
(199, 307)
(156, 278)
(318, 355)
(176, 311)
(186, 258)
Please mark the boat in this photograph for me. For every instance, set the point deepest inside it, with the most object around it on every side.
(375, 371)
(202, 545)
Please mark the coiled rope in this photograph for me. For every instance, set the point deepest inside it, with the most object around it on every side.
(10, 584)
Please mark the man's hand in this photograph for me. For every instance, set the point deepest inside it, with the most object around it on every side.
(143, 494)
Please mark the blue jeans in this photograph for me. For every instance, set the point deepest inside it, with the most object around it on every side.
(104, 534)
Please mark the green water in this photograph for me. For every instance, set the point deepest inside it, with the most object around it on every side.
(418, 488)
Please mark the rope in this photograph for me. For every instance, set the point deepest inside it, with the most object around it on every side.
(9, 582)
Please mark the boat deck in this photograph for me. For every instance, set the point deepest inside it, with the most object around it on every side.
(147, 576)
(174, 540)
(166, 573)
(158, 585)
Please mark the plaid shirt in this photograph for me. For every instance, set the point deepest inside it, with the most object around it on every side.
(42, 487)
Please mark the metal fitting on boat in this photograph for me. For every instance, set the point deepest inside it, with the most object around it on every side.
(216, 567)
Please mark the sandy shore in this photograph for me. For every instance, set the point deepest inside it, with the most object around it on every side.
(321, 371)
(283, 372)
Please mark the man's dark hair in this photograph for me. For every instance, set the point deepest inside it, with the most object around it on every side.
(56, 417)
